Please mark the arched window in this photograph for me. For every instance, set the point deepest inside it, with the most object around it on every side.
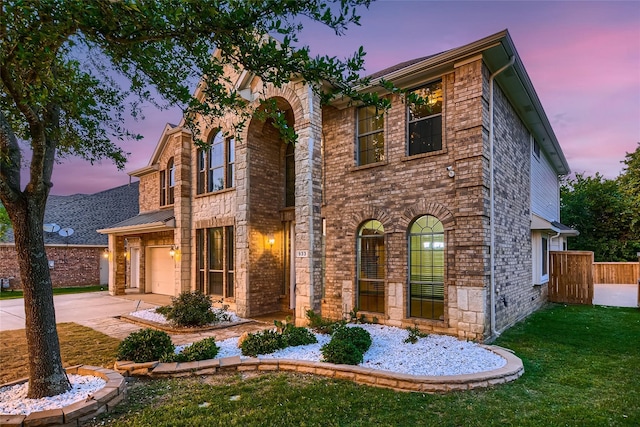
(216, 164)
(371, 267)
(426, 268)
(290, 176)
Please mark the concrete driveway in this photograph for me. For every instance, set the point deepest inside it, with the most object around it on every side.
(77, 308)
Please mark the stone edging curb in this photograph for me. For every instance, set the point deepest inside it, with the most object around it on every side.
(167, 328)
(400, 382)
(77, 413)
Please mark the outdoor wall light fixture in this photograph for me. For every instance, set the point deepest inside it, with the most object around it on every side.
(173, 250)
(271, 240)
(451, 172)
(105, 253)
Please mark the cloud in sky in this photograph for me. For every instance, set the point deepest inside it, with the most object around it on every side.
(583, 59)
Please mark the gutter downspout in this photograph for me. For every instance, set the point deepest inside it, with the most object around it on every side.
(492, 296)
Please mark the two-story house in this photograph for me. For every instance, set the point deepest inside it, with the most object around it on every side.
(439, 215)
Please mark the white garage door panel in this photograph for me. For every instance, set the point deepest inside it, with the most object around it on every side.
(162, 271)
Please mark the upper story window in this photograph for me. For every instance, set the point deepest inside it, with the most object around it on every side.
(167, 184)
(424, 120)
(536, 149)
(171, 181)
(370, 136)
(216, 165)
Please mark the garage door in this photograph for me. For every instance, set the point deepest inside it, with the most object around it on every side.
(161, 271)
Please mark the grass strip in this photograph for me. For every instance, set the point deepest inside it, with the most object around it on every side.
(14, 294)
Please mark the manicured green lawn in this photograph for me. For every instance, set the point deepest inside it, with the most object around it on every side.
(582, 369)
(56, 291)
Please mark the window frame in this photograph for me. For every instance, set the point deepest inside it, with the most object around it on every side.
(378, 296)
(436, 229)
(430, 117)
(206, 169)
(209, 266)
(376, 131)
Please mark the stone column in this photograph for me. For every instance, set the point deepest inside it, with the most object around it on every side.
(308, 260)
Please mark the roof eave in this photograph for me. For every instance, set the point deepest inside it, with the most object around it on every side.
(140, 228)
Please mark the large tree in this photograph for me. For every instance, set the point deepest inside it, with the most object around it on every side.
(601, 211)
(58, 59)
(630, 186)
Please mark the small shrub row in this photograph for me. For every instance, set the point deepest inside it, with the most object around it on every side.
(268, 341)
(347, 346)
(148, 345)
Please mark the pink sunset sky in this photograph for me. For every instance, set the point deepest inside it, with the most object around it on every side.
(583, 58)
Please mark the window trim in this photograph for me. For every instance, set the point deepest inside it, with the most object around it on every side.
(359, 135)
(409, 122)
(359, 278)
(410, 282)
(204, 164)
(205, 250)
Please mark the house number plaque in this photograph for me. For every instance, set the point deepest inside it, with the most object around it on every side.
(302, 254)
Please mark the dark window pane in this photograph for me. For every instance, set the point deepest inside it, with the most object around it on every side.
(431, 98)
(290, 176)
(425, 136)
(215, 283)
(163, 188)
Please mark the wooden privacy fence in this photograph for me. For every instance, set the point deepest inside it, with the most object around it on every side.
(571, 277)
(616, 272)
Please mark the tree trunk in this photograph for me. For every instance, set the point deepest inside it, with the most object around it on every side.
(47, 377)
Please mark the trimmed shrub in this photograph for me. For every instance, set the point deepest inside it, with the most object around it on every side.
(322, 325)
(263, 342)
(200, 350)
(355, 335)
(341, 352)
(164, 310)
(146, 345)
(297, 335)
(191, 309)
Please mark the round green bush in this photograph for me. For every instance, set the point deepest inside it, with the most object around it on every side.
(191, 309)
(263, 342)
(297, 335)
(146, 345)
(201, 350)
(355, 335)
(341, 352)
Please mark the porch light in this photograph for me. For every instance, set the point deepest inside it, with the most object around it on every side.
(271, 240)
(105, 253)
(172, 251)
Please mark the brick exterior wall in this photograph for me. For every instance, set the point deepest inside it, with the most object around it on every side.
(266, 199)
(72, 265)
(516, 297)
(403, 188)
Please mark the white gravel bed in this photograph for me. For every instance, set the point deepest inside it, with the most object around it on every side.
(14, 401)
(433, 355)
(151, 315)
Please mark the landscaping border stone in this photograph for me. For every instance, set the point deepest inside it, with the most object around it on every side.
(512, 370)
(179, 330)
(103, 400)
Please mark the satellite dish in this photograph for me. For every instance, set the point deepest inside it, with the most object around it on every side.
(51, 228)
(66, 232)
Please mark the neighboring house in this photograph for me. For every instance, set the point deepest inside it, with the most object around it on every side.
(78, 259)
(397, 216)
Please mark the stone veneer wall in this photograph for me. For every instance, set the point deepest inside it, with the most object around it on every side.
(516, 297)
(402, 188)
(73, 265)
